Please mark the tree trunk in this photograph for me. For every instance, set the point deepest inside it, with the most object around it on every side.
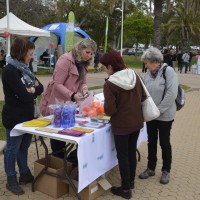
(157, 22)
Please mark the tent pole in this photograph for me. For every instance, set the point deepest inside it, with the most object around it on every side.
(8, 28)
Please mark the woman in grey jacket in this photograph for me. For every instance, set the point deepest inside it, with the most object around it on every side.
(164, 93)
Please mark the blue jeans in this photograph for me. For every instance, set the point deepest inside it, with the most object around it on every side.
(16, 150)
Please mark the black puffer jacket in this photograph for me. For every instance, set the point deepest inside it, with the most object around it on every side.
(19, 104)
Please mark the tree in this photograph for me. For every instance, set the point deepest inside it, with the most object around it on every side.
(158, 4)
(184, 23)
(138, 28)
(32, 12)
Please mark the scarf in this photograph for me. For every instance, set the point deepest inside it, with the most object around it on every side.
(80, 67)
(27, 75)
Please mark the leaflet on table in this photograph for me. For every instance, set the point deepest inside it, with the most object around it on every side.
(71, 132)
(92, 125)
(101, 119)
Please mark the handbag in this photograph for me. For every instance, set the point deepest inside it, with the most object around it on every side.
(36, 109)
(149, 108)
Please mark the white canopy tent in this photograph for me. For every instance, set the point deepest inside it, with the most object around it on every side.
(19, 27)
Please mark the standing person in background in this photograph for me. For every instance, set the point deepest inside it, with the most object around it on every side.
(191, 54)
(2, 59)
(20, 89)
(164, 93)
(173, 58)
(185, 58)
(123, 94)
(45, 56)
(179, 59)
(167, 57)
(69, 81)
(144, 69)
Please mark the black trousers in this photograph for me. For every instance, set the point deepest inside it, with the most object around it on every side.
(161, 128)
(126, 154)
(57, 146)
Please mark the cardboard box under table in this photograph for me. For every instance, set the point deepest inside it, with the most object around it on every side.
(51, 185)
(93, 190)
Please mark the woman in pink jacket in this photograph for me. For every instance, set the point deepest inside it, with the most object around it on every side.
(68, 82)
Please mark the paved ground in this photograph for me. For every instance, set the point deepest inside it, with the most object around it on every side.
(184, 183)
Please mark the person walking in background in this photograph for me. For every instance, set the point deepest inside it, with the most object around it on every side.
(179, 59)
(20, 88)
(164, 93)
(185, 58)
(123, 94)
(69, 82)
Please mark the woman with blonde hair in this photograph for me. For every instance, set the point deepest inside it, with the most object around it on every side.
(69, 81)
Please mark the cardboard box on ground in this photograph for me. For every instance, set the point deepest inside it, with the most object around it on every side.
(93, 190)
(50, 185)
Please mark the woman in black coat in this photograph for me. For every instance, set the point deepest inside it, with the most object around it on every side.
(20, 89)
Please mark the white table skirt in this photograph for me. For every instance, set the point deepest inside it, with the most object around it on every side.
(96, 151)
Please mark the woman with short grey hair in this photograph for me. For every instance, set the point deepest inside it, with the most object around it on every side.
(152, 54)
(164, 92)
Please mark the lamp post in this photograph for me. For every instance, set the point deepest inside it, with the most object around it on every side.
(122, 25)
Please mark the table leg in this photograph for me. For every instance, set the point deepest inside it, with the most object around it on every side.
(65, 171)
(46, 163)
(66, 150)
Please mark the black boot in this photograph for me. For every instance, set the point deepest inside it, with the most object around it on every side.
(13, 185)
(26, 178)
(122, 193)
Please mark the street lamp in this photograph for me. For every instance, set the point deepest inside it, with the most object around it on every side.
(122, 25)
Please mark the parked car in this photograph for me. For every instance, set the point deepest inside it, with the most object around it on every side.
(125, 51)
(133, 51)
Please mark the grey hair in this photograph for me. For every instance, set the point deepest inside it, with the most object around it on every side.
(78, 47)
(152, 54)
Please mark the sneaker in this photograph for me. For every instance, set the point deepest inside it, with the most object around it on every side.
(120, 192)
(165, 177)
(26, 178)
(147, 173)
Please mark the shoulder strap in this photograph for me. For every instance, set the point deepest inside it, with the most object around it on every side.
(144, 87)
(164, 70)
(164, 76)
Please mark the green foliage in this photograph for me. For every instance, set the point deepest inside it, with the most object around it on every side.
(184, 25)
(138, 28)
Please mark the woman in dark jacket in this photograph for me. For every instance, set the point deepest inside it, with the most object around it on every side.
(20, 89)
(123, 94)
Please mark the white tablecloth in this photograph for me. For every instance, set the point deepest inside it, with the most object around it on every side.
(96, 151)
